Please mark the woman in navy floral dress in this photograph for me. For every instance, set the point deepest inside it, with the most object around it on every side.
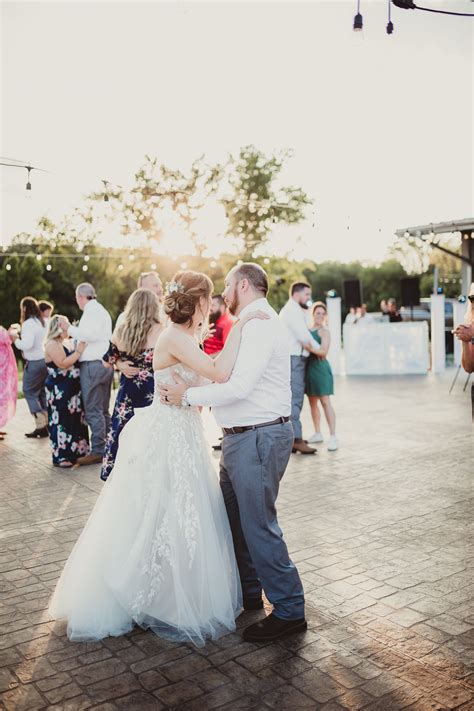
(67, 427)
(131, 352)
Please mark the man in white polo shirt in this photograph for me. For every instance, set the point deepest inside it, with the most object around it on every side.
(95, 328)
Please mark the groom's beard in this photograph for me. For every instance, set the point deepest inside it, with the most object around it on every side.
(233, 304)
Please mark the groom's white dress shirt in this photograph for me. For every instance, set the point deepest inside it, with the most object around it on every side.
(258, 389)
(95, 328)
(294, 318)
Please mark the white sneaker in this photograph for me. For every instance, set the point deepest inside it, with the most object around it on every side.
(333, 444)
(315, 438)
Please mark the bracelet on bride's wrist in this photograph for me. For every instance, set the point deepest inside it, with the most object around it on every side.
(184, 399)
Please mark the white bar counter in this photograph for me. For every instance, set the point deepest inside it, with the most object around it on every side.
(386, 348)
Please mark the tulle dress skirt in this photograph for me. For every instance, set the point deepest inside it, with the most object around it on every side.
(157, 549)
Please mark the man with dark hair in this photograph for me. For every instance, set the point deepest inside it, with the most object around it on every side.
(221, 323)
(253, 408)
(46, 309)
(293, 315)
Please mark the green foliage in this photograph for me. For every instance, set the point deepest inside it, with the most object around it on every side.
(378, 282)
(25, 278)
(254, 204)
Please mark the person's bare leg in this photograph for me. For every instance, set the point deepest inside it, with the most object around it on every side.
(315, 414)
(329, 413)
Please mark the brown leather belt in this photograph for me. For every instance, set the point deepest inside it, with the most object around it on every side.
(238, 430)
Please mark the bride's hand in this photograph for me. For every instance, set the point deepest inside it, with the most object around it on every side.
(255, 314)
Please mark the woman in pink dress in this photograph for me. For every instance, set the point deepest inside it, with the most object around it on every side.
(8, 380)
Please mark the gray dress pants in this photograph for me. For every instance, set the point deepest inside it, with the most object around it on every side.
(298, 384)
(96, 383)
(251, 467)
(34, 377)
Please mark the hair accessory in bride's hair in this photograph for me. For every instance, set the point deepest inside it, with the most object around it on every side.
(173, 287)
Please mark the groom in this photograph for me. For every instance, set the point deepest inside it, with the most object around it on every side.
(253, 409)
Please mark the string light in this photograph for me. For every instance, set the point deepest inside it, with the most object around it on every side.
(184, 265)
(85, 267)
(131, 257)
(86, 257)
(266, 260)
(8, 267)
(213, 264)
(48, 267)
(358, 20)
(153, 266)
(39, 257)
(389, 23)
(120, 267)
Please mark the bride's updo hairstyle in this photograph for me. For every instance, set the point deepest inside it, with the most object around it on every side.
(183, 293)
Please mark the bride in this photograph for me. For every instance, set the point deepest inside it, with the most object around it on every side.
(157, 549)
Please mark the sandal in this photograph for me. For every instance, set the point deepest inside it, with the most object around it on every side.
(65, 465)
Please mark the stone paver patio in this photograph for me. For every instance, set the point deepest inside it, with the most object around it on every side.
(379, 530)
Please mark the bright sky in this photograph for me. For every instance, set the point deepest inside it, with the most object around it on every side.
(381, 127)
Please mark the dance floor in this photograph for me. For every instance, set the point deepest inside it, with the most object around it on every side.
(380, 533)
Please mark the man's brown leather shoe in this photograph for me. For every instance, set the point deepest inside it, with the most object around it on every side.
(299, 445)
(89, 459)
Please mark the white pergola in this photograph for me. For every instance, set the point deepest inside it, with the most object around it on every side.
(465, 227)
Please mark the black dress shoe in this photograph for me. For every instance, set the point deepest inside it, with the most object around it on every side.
(272, 628)
(253, 603)
(38, 433)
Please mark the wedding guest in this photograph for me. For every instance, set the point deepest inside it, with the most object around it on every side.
(46, 310)
(394, 314)
(134, 341)
(146, 280)
(293, 315)
(33, 332)
(319, 378)
(221, 322)
(8, 380)
(362, 316)
(465, 333)
(351, 316)
(95, 329)
(67, 426)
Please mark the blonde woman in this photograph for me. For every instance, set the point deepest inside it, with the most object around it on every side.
(131, 348)
(66, 424)
(319, 378)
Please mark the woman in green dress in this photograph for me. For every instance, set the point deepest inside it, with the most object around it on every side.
(319, 378)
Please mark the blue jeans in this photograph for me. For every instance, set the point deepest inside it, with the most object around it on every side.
(252, 465)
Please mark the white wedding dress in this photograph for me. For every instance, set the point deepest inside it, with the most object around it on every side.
(157, 549)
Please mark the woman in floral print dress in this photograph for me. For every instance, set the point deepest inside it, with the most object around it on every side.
(66, 424)
(132, 343)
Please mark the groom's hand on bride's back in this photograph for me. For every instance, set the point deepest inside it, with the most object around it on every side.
(172, 394)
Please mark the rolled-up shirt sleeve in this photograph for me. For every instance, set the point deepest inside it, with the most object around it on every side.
(90, 328)
(258, 339)
(301, 332)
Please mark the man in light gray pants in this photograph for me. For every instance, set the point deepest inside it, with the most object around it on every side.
(253, 407)
(95, 328)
